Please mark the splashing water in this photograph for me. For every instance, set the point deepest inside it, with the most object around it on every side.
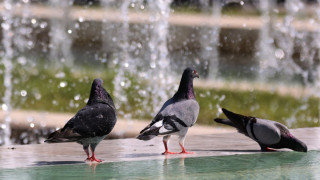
(61, 33)
(279, 40)
(7, 35)
(153, 68)
(267, 58)
(210, 39)
(159, 70)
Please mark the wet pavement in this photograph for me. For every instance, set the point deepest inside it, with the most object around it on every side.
(135, 150)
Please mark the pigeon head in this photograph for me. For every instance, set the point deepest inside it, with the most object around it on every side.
(298, 145)
(99, 94)
(185, 90)
(190, 72)
(294, 143)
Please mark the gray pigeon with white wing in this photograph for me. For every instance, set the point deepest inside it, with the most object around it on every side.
(268, 134)
(176, 115)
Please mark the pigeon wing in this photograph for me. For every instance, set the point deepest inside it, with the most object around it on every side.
(184, 112)
(265, 132)
(95, 120)
(159, 116)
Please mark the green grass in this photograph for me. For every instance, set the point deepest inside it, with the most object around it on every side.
(45, 94)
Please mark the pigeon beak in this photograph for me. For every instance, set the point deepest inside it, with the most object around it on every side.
(196, 75)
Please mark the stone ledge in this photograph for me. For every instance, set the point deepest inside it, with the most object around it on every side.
(134, 150)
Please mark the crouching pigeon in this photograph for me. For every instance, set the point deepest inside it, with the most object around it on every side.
(268, 134)
(91, 124)
(176, 115)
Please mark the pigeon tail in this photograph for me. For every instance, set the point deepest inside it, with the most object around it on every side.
(62, 136)
(238, 120)
(225, 121)
(149, 133)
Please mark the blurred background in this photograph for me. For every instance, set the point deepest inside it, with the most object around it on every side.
(259, 58)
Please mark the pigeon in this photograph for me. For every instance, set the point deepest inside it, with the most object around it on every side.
(91, 124)
(176, 115)
(268, 134)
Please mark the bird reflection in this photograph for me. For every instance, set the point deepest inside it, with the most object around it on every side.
(93, 166)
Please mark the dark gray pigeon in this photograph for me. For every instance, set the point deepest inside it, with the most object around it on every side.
(91, 124)
(268, 134)
(176, 115)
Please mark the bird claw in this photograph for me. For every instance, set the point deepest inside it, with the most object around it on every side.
(185, 152)
(167, 152)
(93, 159)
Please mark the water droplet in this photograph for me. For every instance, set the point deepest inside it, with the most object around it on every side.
(279, 53)
(142, 92)
(23, 93)
(222, 98)
(7, 5)
(33, 21)
(22, 60)
(30, 44)
(63, 84)
(43, 25)
(122, 83)
(76, 25)
(69, 31)
(126, 64)
(31, 125)
(80, 19)
(37, 96)
(153, 65)
(241, 3)
(4, 107)
(54, 102)
(60, 75)
(86, 100)
(71, 104)
(5, 26)
(77, 97)
(3, 126)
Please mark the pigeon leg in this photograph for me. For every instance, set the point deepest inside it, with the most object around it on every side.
(266, 149)
(93, 157)
(165, 143)
(181, 143)
(85, 148)
(269, 149)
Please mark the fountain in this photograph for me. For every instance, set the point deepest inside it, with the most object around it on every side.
(210, 39)
(8, 55)
(60, 34)
(145, 48)
(279, 41)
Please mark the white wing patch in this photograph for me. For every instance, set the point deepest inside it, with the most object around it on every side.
(158, 124)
